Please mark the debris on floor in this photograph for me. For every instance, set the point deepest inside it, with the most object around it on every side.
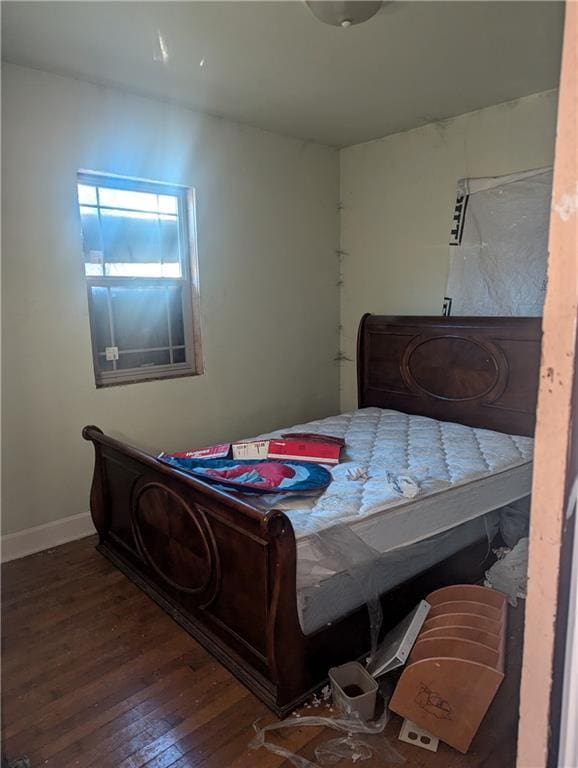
(359, 741)
(21, 762)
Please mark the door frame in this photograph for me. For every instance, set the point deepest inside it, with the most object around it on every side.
(538, 733)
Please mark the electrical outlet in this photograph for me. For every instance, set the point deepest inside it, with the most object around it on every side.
(419, 737)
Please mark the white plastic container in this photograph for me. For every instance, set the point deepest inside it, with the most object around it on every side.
(353, 689)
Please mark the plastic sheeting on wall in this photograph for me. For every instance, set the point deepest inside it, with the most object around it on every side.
(499, 245)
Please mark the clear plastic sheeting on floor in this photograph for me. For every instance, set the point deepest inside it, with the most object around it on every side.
(361, 741)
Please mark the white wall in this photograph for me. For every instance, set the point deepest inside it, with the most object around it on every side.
(398, 195)
(267, 230)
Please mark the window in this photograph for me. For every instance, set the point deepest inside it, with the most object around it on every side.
(141, 273)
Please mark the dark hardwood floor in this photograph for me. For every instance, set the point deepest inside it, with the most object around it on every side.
(95, 674)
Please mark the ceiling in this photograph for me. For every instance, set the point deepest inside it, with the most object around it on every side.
(275, 66)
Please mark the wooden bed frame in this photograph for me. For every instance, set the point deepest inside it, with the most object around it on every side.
(226, 571)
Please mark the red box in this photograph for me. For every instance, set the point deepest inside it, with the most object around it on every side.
(305, 450)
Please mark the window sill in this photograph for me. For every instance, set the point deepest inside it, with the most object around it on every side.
(138, 376)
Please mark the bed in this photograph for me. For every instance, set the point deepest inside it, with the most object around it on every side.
(450, 401)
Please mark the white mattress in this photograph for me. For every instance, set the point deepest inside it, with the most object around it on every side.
(328, 600)
(462, 472)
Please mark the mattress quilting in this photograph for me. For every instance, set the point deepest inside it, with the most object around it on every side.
(439, 456)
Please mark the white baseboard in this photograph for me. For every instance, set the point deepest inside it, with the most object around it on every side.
(22, 543)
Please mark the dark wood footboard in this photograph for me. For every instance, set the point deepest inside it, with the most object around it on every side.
(222, 568)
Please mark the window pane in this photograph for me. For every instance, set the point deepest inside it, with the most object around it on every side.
(143, 359)
(129, 233)
(133, 200)
(100, 319)
(128, 198)
(168, 204)
(129, 241)
(169, 236)
(175, 300)
(91, 241)
(171, 270)
(137, 246)
(86, 194)
(179, 356)
(104, 364)
(140, 317)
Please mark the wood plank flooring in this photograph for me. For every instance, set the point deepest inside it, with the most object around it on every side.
(95, 675)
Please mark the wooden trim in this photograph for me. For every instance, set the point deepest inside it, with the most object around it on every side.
(136, 376)
(554, 418)
(197, 357)
(116, 181)
(361, 362)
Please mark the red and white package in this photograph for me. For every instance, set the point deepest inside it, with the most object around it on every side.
(220, 451)
(250, 449)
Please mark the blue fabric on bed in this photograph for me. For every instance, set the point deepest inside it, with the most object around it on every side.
(255, 475)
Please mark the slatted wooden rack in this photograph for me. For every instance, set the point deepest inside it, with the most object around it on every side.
(456, 665)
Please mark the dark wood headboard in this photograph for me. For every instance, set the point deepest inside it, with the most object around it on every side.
(480, 371)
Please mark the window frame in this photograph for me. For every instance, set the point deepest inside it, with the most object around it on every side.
(188, 282)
